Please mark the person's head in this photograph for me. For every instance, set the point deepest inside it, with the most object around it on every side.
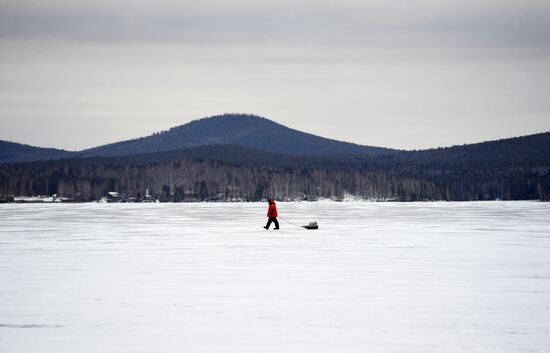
(270, 200)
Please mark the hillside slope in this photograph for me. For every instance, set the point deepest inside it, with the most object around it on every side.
(11, 152)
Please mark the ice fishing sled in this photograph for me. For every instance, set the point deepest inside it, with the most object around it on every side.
(311, 225)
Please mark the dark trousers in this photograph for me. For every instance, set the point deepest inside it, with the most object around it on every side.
(272, 220)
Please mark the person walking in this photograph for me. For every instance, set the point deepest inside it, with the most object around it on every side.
(272, 214)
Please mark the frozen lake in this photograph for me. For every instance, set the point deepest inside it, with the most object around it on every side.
(206, 277)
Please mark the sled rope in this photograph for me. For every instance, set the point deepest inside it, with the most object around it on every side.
(286, 220)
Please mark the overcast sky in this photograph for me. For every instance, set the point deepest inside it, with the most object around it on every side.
(407, 74)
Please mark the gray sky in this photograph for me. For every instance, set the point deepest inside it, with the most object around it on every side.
(408, 74)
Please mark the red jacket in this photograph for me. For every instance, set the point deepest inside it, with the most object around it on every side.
(272, 210)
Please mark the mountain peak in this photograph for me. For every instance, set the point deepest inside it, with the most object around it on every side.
(244, 130)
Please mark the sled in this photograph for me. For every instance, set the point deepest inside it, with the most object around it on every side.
(311, 225)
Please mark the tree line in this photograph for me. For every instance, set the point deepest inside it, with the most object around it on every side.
(199, 179)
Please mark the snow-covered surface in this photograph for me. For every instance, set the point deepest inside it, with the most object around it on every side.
(376, 277)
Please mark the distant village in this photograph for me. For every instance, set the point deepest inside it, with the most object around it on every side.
(167, 195)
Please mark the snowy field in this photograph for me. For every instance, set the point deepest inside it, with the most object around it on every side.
(376, 277)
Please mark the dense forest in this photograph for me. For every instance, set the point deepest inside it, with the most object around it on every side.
(511, 169)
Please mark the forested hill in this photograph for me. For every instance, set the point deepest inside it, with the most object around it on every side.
(510, 169)
(525, 151)
(235, 129)
(515, 151)
(17, 152)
